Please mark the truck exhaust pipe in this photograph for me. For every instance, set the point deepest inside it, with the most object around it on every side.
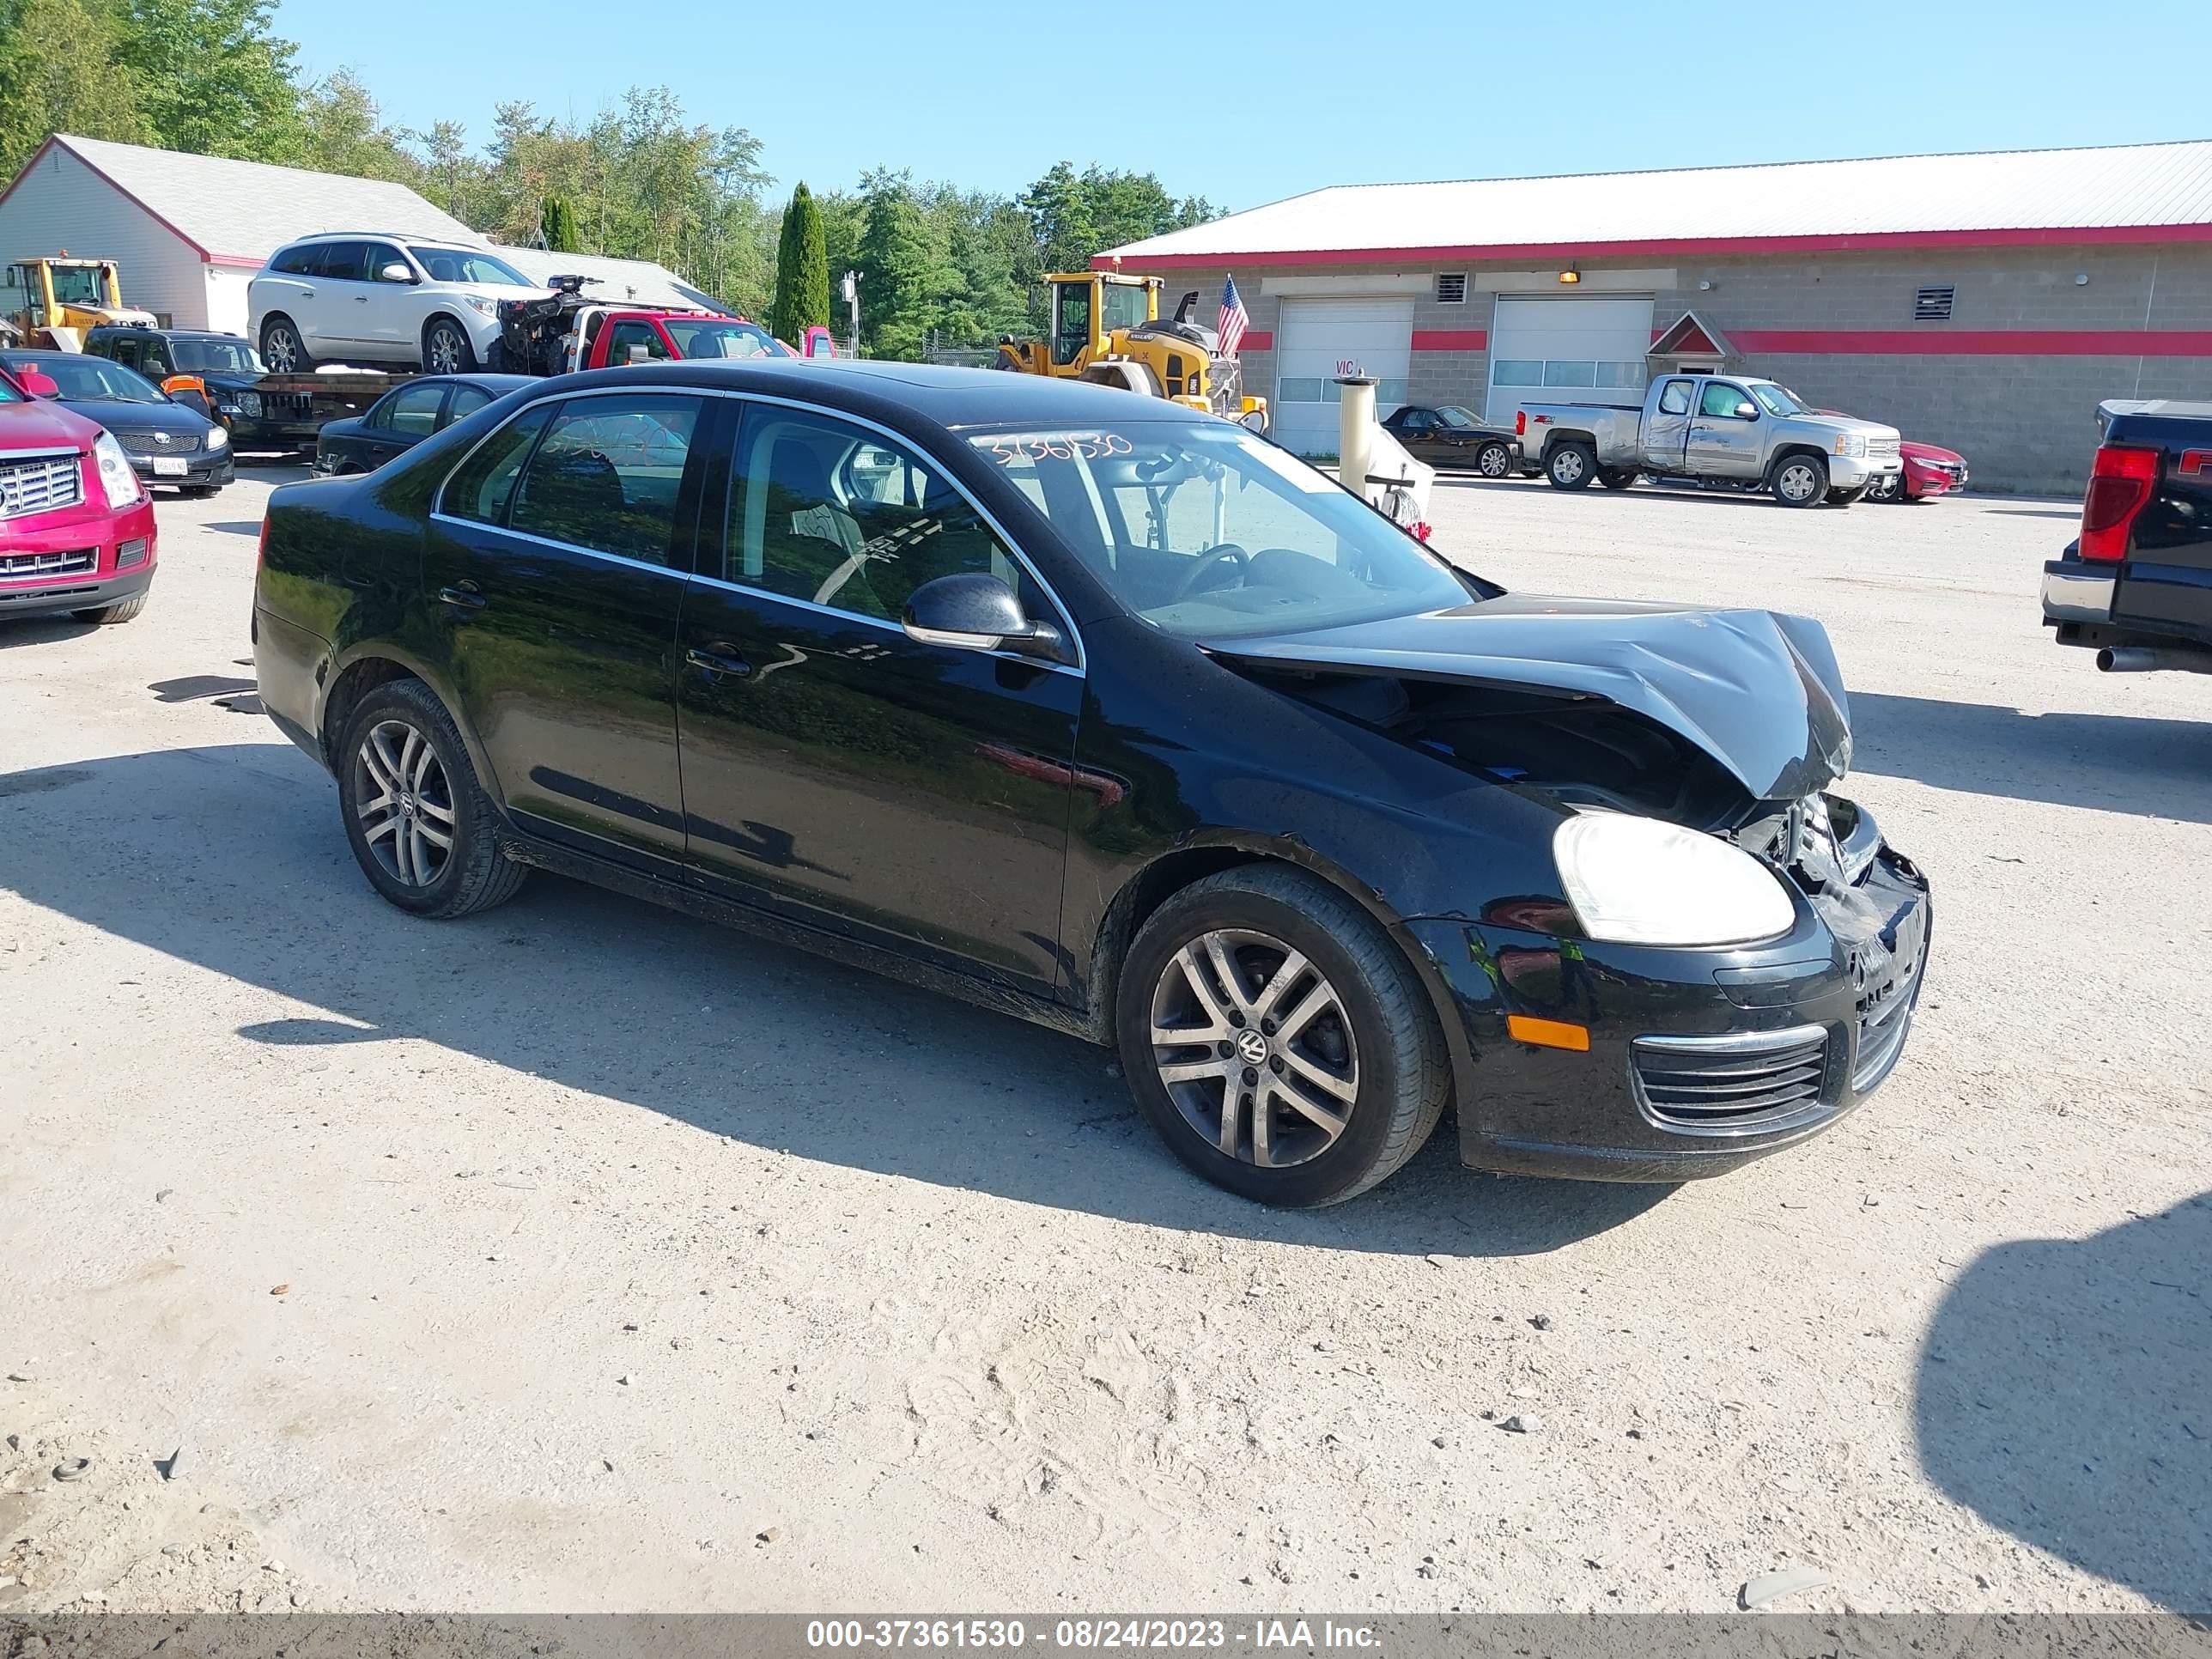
(2142, 658)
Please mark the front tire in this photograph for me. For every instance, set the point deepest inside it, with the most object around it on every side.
(422, 828)
(1800, 480)
(1889, 487)
(446, 347)
(1494, 460)
(1277, 1038)
(1571, 465)
(283, 348)
(106, 616)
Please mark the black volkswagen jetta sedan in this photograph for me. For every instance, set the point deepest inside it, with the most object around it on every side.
(1113, 715)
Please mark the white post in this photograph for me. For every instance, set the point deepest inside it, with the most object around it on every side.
(1355, 421)
(852, 285)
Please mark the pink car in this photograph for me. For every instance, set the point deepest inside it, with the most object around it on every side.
(1929, 471)
(76, 527)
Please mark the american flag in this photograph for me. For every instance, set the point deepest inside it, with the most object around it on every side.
(1233, 320)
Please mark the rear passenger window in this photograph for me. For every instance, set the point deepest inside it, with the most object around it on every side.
(296, 261)
(414, 409)
(467, 399)
(607, 474)
(1676, 399)
(479, 488)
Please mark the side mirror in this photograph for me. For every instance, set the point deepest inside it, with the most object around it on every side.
(38, 382)
(974, 611)
(394, 272)
(1747, 411)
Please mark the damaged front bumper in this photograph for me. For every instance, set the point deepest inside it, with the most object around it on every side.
(1700, 1060)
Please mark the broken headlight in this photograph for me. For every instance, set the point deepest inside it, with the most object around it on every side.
(1643, 881)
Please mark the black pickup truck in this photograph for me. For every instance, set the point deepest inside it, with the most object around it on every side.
(2136, 586)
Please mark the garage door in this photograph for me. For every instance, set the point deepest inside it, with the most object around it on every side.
(1570, 350)
(1317, 340)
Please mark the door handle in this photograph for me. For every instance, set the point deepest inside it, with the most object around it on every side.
(361, 299)
(719, 659)
(307, 294)
(462, 597)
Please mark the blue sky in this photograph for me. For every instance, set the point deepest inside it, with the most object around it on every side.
(1256, 102)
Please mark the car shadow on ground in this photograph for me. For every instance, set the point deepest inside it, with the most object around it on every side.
(2065, 1394)
(43, 631)
(232, 858)
(2071, 513)
(238, 527)
(2109, 762)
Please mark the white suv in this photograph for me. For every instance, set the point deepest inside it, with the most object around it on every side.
(357, 296)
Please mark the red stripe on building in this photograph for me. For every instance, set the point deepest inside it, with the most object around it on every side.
(1568, 252)
(1978, 343)
(1450, 339)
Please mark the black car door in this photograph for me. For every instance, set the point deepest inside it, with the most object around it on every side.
(1416, 429)
(554, 569)
(402, 420)
(913, 795)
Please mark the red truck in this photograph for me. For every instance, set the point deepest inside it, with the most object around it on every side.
(568, 329)
(76, 527)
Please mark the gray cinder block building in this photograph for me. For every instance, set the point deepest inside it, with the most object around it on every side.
(1986, 302)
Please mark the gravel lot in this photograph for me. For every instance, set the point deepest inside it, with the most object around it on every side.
(582, 1256)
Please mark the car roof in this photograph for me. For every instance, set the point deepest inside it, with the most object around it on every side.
(41, 354)
(947, 397)
(482, 382)
(423, 236)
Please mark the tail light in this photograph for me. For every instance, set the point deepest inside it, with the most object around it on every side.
(2119, 488)
(1520, 422)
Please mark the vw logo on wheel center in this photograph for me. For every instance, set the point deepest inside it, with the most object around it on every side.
(1252, 1046)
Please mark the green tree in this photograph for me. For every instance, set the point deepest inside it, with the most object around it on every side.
(212, 78)
(802, 269)
(560, 225)
(342, 130)
(58, 73)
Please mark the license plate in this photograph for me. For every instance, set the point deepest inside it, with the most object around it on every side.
(170, 466)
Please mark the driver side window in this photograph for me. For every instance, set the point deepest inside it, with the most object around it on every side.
(1721, 400)
(838, 516)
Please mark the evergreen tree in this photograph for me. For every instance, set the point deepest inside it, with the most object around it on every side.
(802, 269)
(560, 223)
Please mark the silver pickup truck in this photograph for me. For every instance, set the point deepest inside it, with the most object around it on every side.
(1714, 430)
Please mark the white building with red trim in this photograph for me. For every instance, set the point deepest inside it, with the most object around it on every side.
(1986, 302)
(187, 231)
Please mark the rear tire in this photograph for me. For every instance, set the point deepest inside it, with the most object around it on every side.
(1571, 465)
(1800, 480)
(283, 349)
(1346, 1018)
(446, 347)
(1617, 478)
(1494, 460)
(405, 783)
(107, 615)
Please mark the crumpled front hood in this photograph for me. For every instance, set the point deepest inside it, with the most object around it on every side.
(1758, 690)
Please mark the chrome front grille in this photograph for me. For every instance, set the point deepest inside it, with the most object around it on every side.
(40, 484)
(156, 443)
(1881, 449)
(78, 562)
(1735, 1085)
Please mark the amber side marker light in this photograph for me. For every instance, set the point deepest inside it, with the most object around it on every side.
(1547, 1033)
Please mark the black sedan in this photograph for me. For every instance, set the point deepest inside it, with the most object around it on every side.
(1124, 720)
(1450, 438)
(167, 442)
(404, 416)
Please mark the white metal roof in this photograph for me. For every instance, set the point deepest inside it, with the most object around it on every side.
(241, 212)
(2114, 194)
(620, 281)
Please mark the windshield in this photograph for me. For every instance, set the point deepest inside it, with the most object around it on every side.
(215, 357)
(717, 337)
(1779, 399)
(92, 379)
(1452, 416)
(457, 265)
(1208, 533)
(77, 285)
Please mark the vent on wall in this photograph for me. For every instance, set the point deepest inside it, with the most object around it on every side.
(1451, 288)
(1933, 305)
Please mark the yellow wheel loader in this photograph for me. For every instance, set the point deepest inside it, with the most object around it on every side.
(1106, 328)
(50, 303)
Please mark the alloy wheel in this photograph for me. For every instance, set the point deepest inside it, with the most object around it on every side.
(405, 803)
(281, 350)
(1254, 1046)
(1797, 482)
(445, 355)
(1493, 462)
(1567, 465)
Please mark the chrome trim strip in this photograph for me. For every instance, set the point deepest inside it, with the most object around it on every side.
(2085, 598)
(568, 547)
(1068, 629)
(1736, 1043)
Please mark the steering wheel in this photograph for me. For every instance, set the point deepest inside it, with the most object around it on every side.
(1205, 562)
